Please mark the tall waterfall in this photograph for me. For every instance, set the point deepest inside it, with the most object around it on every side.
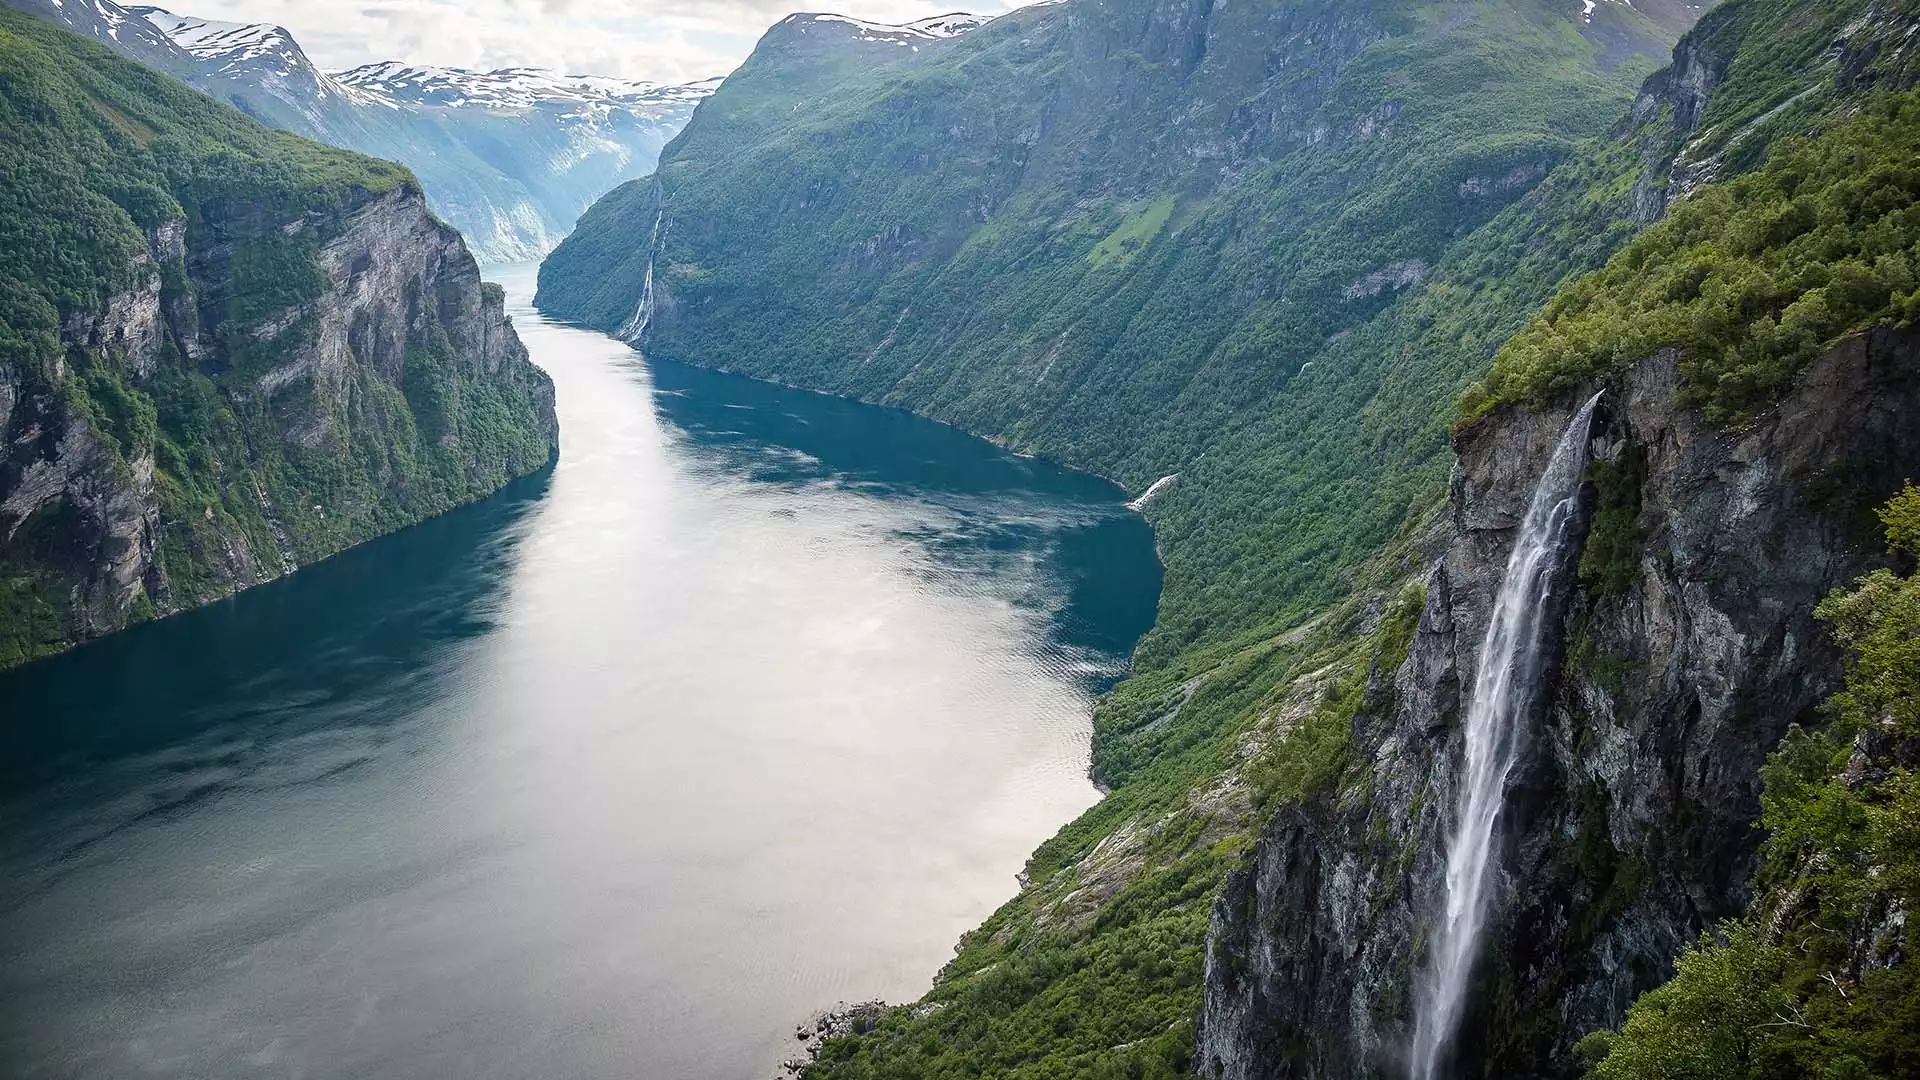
(1510, 661)
(642, 317)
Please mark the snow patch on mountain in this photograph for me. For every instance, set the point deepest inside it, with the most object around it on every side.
(910, 34)
(228, 44)
(511, 157)
(521, 89)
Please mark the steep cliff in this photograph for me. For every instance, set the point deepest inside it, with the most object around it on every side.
(1761, 382)
(224, 352)
(1685, 650)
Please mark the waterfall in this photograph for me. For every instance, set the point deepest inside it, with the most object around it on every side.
(1509, 673)
(642, 316)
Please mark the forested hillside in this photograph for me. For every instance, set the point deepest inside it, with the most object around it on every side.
(225, 351)
(1264, 249)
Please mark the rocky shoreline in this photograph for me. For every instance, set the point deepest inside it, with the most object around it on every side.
(843, 1019)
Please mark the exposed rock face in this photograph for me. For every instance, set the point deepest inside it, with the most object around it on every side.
(1687, 648)
(313, 415)
(1824, 53)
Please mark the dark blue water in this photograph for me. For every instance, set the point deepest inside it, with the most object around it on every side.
(753, 703)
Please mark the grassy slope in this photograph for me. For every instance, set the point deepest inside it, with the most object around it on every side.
(97, 152)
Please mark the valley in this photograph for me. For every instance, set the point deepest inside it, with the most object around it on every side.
(1396, 520)
(753, 701)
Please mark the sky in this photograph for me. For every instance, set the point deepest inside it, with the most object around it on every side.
(661, 40)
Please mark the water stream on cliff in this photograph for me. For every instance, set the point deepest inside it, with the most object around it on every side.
(1510, 665)
(754, 702)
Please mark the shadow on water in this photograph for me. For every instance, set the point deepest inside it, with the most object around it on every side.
(1103, 581)
(368, 625)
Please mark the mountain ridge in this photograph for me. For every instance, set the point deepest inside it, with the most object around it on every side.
(510, 162)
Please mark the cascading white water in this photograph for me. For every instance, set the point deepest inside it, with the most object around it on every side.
(1509, 672)
(642, 317)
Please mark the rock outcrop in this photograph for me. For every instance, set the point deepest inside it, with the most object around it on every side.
(1687, 648)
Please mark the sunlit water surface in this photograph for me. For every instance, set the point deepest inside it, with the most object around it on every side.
(754, 702)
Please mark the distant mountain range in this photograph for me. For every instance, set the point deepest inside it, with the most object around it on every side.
(509, 157)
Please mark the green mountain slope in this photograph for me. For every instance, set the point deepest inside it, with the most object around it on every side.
(1264, 248)
(224, 351)
(1116, 233)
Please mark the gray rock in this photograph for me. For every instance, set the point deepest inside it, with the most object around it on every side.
(1629, 826)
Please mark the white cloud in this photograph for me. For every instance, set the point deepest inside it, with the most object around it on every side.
(663, 40)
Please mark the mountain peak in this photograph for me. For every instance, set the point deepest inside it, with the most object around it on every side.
(228, 44)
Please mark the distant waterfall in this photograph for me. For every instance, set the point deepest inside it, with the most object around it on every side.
(642, 317)
(1509, 673)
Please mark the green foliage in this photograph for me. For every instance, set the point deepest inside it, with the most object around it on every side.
(1751, 279)
(1818, 979)
(1611, 559)
(273, 272)
(1134, 232)
(1311, 757)
(1701, 1025)
(1114, 1000)
(1902, 519)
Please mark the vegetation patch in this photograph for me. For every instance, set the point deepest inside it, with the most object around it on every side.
(250, 474)
(1751, 280)
(1136, 231)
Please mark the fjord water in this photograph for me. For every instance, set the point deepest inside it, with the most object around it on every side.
(754, 702)
(1505, 687)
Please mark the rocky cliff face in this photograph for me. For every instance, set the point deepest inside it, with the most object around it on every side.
(175, 453)
(1685, 649)
(1810, 58)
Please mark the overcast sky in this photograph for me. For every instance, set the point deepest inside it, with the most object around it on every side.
(663, 40)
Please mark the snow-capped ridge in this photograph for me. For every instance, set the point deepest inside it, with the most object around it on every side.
(939, 27)
(518, 88)
(230, 42)
(511, 157)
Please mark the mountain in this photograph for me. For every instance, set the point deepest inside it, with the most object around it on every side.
(1118, 234)
(225, 351)
(509, 157)
(1329, 283)
(1761, 389)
